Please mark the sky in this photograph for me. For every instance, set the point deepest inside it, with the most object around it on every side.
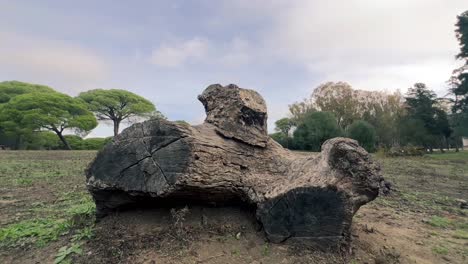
(169, 51)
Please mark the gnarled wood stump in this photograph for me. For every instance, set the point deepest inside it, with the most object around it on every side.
(230, 157)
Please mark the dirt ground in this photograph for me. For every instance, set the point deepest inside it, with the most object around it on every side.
(46, 215)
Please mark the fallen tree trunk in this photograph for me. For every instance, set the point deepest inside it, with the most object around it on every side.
(230, 158)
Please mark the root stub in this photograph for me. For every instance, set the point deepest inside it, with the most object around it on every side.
(296, 196)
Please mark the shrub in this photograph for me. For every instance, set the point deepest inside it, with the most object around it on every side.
(282, 139)
(95, 143)
(75, 142)
(49, 141)
(43, 140)
(405, 151)
(364, 133)
(316, 128)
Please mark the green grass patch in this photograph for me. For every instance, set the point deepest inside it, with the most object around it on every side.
(462, 224)
(85, 233)
(39, 231)
(440, 250)
(461, 234)
(69, 214)
(440, 222)
(266, 250)
(65, 252)
(452, 155)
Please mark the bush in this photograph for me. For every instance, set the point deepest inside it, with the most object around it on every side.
(49, 141)
(75, 142)
(316, 128)
(364, 133)
(405, 151)
(43, 140)
(95, 143)
(282, 139)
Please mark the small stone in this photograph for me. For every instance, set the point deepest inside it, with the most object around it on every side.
(204, 220)
(446, 258)
(419, 243)
(462, 203)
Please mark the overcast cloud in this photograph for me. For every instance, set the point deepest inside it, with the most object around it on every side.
(169, 51)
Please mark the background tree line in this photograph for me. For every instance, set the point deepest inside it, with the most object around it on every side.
(38, 117)
(378, 120)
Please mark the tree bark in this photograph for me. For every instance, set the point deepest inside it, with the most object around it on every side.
(18, 141)
(300, 197)
(64, 141)
(116, 126)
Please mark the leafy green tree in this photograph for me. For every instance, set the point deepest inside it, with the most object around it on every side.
(338, 98)
(420, 101)
(442, 129)
(459, 123)
(459, 88)
(414, 132)
(117, 105)
(299, 110)
(10, 89)
(364, 133)
(14, 136)
(283, 125)
(384, 117)
(315, 129)
(281, 139)
(461, 32)
(42, 140)
(422, 108)
(459, 83)
(51, 111)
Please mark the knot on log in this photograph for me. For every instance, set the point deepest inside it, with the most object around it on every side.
(306, 197)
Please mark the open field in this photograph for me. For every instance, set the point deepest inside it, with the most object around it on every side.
(46, 215)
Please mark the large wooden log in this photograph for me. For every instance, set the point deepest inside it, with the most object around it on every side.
(231, 158)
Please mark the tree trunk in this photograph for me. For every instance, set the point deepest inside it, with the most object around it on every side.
(64, 141)
(116, 127)
(441, 147)
(18, 141)
(230, 158)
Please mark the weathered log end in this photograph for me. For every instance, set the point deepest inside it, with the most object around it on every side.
(230, 158)
(237, 113)
(309, 213)
(319, 203)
